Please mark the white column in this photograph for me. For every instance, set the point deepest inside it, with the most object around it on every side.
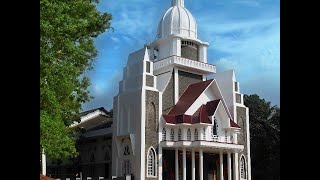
(229, 166)
(193, 168)
(177, 165)
(44, 163)
(201, 164)
(221, 165)
(160, 164)
(184, 164)
(235, 167)
(176, 86)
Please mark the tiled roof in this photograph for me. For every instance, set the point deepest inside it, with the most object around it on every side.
(233, 124)
(92, 110)
(192, 92)
(200, 116)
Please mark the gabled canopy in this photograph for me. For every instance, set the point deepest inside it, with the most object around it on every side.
(189, 99)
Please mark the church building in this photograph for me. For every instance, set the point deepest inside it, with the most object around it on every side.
(170, 120)
(174, 117)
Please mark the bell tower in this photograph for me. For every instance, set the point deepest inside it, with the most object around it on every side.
(177, 53)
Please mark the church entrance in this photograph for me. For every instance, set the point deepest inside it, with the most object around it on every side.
(168, 164)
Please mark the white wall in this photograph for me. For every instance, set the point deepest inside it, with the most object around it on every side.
(225, 81)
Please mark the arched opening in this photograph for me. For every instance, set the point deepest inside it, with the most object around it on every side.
(189, 135)
(243, 168)
(152, 120)
(189, 50)
(204, 134)
(164, 134)
(215, 127)
(151, 162)
(172, 135)
(196, 135)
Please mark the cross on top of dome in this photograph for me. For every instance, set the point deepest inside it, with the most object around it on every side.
(178, 3)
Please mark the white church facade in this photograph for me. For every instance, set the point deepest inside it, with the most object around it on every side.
(170, 121)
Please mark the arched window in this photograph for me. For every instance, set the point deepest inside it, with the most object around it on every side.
(204, 134)
(151, 162)
(164, 134)
(179, 135)
(172, 135)
(107, 155)
(92, 159)
(152, 120)
(215, 127)
(189, 135)
(196, 135)
(243, 168)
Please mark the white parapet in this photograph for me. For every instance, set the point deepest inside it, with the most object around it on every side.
(178, 61)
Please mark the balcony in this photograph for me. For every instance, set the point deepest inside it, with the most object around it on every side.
(183, 63)
(207, 144)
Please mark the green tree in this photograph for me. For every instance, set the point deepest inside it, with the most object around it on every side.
(264, 138)
(67, 52)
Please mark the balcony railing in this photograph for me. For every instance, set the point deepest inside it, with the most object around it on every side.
(180, 61)
(214, 138)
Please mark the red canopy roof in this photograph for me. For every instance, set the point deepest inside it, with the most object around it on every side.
(191, 94)
(200, 116)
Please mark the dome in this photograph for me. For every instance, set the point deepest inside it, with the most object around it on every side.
(177, 20)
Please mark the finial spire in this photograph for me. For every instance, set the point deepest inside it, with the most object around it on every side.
(178, 3)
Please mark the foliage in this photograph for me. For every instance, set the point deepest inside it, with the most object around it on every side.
(264, 138)
(67, 51)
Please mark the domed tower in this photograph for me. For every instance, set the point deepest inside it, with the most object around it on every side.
(177, 36)
(177, 20)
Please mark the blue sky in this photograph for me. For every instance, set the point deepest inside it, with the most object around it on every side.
(244, 35)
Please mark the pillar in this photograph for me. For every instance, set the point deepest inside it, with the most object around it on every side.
(160, 164)
(193, 168)
(44, 163)
(184, 164)
(201, 164)
(176, 86)
(229, 166)
(177, 165)
(221, 165)
(235, 167)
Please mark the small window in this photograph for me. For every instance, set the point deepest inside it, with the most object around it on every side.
(172, 135)
(151, 162)
(196, 135)
(204, 133)
(243, 169)
(179, 135)
(238, 98)
(156, 54)
(236, 86)
(164, 134)
(148, 67)
(189, 135)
